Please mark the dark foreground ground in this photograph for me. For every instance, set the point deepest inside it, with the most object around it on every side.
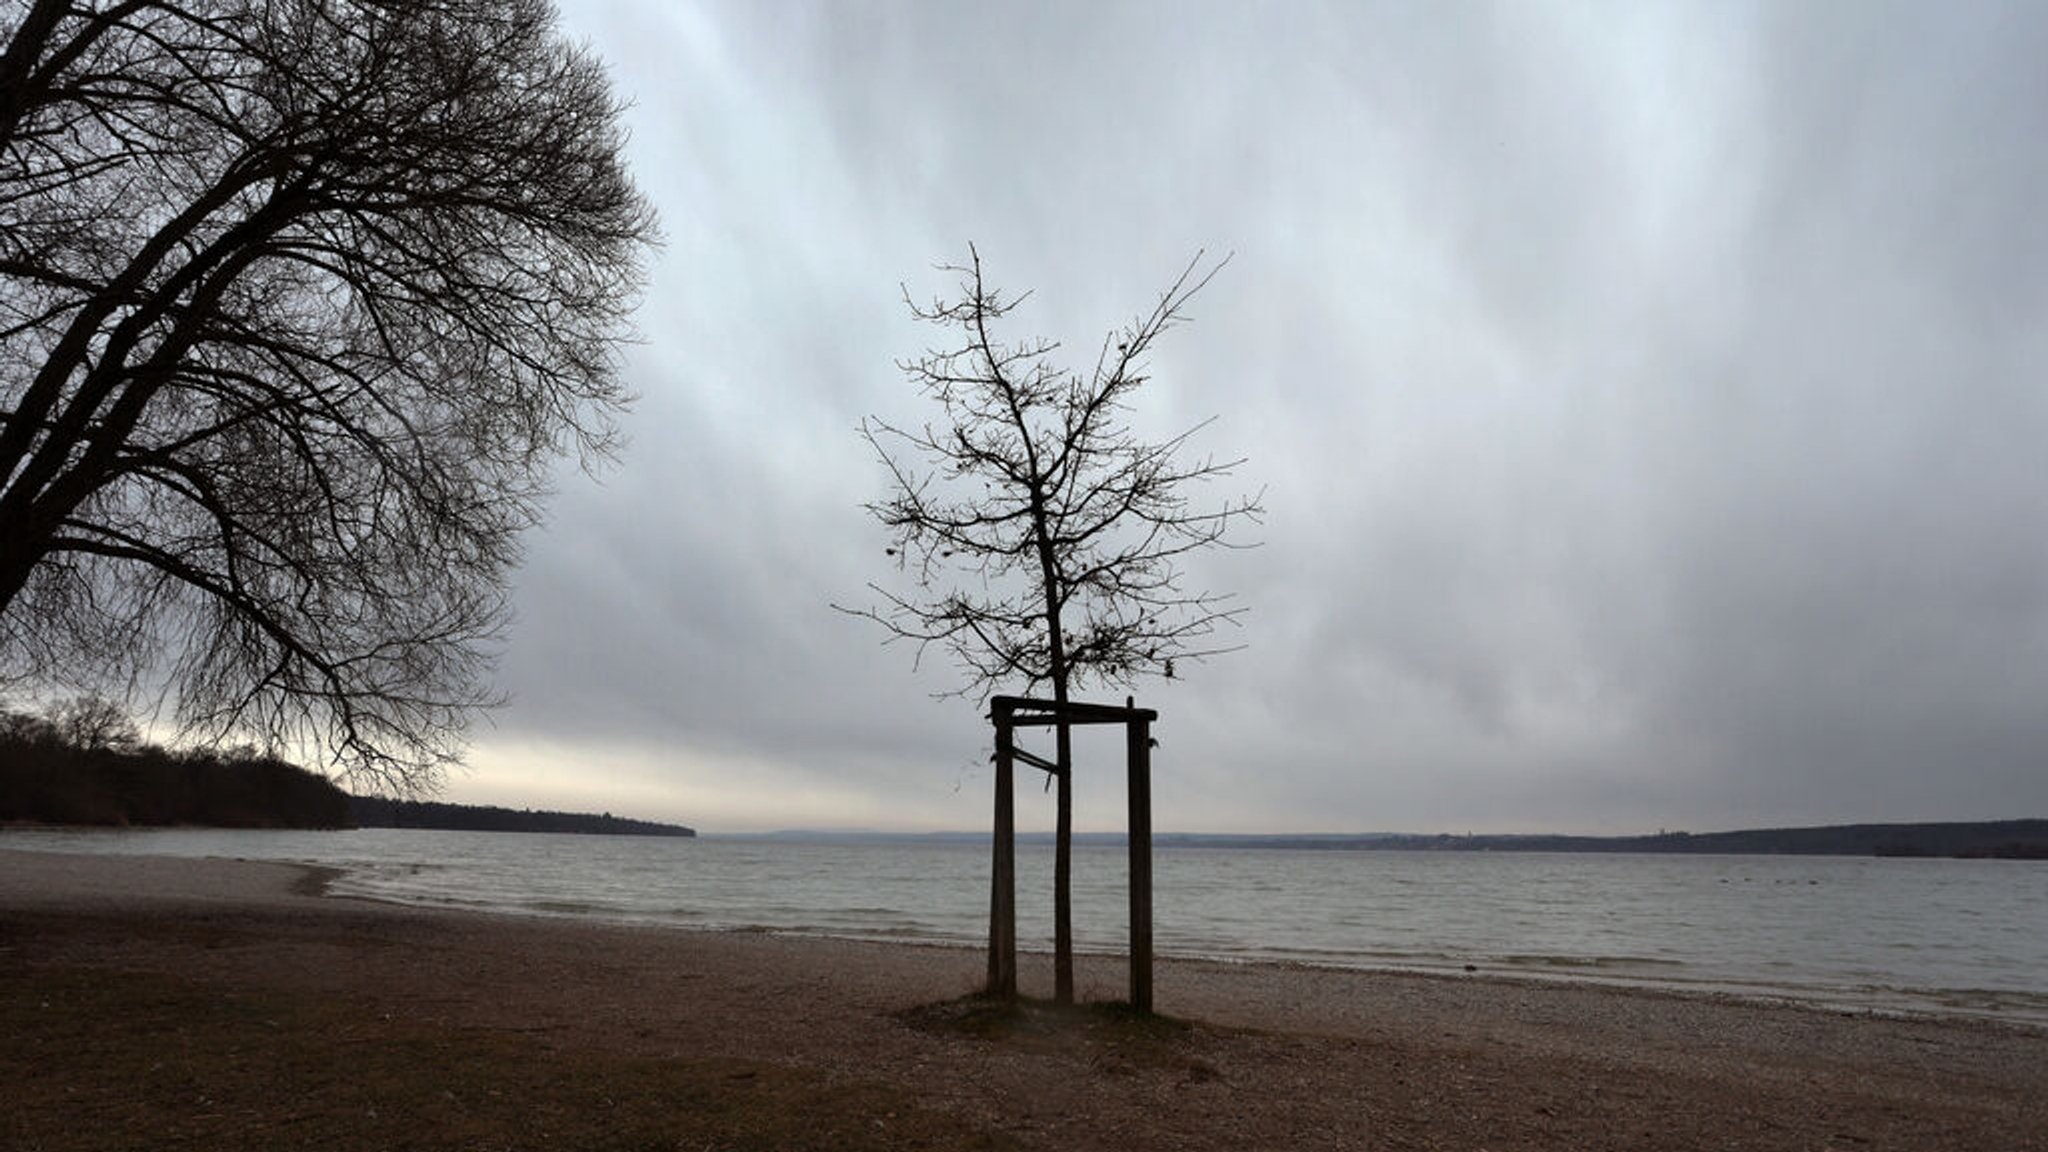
(200, 1004)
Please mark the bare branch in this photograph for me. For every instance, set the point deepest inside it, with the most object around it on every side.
(299, 302)
(1041, 535)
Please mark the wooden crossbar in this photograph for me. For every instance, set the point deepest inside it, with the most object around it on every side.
(1027, 710)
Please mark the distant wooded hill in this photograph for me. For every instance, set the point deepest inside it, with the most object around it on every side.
(46, 777)
(377, 812)
(2013, 839)
(83, 762)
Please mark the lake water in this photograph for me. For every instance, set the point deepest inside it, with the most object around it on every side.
(1955, 936)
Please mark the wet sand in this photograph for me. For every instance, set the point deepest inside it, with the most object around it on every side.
(1273, 1057)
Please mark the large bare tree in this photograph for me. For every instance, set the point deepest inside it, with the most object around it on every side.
(301, 301)
(1043, 538)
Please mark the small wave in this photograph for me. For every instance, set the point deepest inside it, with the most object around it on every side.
(1595, 963)
(1992, 1001)
(561, 908)
(898, 932)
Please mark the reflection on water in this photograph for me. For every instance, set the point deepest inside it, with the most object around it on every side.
(1940, 935)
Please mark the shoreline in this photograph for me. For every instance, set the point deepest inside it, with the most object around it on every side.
(1255, 1055)
(2008, 1009)
(2014, 1009)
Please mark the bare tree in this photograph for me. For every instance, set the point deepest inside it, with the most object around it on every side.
(94, 722)
(301, 302)
(1043, 538)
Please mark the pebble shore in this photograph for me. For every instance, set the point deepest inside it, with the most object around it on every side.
(1269, 1057)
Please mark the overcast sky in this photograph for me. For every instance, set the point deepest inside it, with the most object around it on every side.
(1651, 404)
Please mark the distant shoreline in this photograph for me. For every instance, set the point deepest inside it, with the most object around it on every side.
(2025, 839)
(379, 812)
(1987, 839)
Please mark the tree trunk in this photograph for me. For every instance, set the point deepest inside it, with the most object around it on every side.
(17, 67)
(1063, 861)
(1063, 757)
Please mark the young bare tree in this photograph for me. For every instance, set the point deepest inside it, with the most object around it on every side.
(301, 301)
(1042, 537)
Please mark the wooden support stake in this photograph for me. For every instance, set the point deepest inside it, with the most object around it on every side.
(1138, 736)
(1002, 910)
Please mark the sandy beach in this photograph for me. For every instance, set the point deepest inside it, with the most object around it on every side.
(197, 1003)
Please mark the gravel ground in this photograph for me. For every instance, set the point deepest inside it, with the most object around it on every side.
(1257, 1056)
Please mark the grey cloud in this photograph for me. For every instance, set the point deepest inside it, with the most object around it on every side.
(1648, 401)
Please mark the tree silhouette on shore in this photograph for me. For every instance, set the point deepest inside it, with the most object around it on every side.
(1042, 538)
